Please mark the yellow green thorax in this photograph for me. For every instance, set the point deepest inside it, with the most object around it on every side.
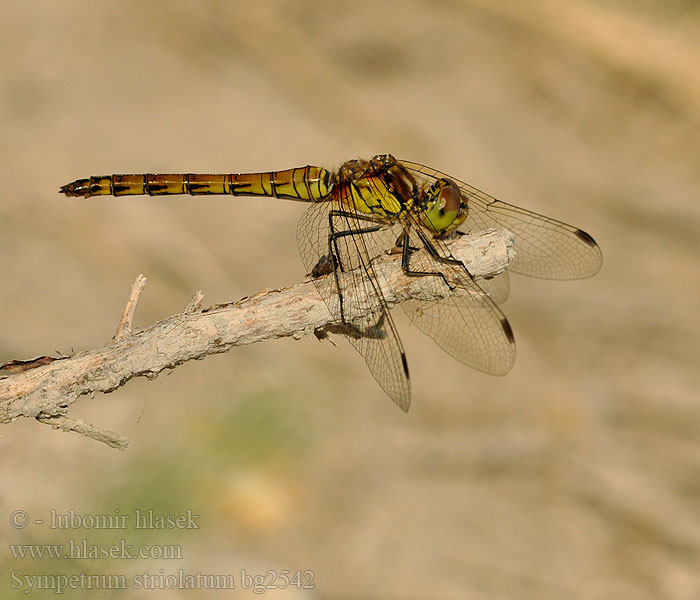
(375, 187)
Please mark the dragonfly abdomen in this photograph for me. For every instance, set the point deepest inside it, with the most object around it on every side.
(306, 184)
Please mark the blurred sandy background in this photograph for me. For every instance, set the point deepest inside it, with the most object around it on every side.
(575, 476)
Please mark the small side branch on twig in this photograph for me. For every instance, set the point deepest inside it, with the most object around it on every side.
(115, 440)
(124, 328)
(47, 391)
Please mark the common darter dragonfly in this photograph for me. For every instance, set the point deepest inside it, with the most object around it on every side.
(369, 207)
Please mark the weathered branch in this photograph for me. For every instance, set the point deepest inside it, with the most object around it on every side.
(124, 329)
(46, 391)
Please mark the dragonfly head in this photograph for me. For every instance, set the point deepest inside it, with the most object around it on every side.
(443, 207)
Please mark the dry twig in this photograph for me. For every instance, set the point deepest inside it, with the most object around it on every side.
(124, 328)
(47, 391)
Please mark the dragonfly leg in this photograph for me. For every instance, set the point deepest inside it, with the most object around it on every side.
(333, 237)
(334, 252)
(406, 260)
(450, 260)
(432, 251)
(430, 247)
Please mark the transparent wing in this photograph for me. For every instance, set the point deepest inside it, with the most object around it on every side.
(498, 287)
(352, 292)
(544, 247)
(465, 322)
(462, 319)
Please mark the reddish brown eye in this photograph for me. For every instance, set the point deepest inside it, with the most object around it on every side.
(449, 198)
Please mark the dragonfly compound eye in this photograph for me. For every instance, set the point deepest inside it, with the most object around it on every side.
(444, 207)
(449, 199)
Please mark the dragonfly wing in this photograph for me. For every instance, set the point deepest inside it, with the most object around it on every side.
(354, 297)
(544, 247)
(465, 322)
(498, 287)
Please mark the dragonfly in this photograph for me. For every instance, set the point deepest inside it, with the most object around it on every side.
(368, 208)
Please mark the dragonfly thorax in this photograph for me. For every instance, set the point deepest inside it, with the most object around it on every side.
(384, 188)
(381, 187)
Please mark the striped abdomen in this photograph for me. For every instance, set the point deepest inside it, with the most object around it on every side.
(306, 184)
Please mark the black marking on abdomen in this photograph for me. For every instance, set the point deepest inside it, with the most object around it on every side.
(294, 183)
(195, 188)
(154, 187)
(262, 184)
(120, 189)
(238, 185)
(307, 170)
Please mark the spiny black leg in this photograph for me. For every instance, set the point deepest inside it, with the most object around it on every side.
(400, 241)
(333, 239)
(352, 215)
(335, 235)
(405, 263)
(334, 253)
(335, 256)
(436, 255)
